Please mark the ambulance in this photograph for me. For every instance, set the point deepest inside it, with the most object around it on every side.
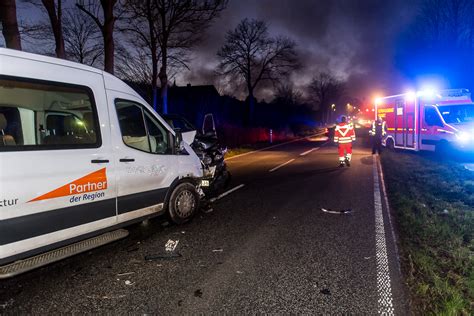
(428, 120)
(82, 155)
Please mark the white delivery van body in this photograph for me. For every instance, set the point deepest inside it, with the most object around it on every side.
(81, 153)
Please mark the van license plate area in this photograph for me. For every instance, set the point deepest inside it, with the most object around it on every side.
(204, 183)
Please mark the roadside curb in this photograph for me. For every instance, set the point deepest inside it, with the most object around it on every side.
(273, 146)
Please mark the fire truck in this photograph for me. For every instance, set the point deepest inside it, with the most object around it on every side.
(428, 120)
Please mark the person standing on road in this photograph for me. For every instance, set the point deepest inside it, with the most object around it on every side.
(378, 131)
(344, 135)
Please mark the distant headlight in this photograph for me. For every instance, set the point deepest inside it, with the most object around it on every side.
(463, 137)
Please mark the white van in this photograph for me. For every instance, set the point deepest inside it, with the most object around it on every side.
(81, 155)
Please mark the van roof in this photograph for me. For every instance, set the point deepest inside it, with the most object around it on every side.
(47, 59)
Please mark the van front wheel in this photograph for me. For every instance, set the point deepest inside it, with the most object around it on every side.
(183, 203)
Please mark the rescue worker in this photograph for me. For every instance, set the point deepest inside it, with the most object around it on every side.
(344, 135)
(378, 131)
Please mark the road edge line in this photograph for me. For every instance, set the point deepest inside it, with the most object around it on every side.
(273, 146)
(389, 213)
(384, 282)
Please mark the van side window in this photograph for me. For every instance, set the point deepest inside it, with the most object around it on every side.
(431, 117)
(140, 130)
(132, 125)
(159, 136)
(37, 115)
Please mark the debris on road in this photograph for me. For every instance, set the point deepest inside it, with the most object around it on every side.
(168, 255)
(209, 210)
(132, 248)
(239, 272)
(104, 297)
(128, 282)
(7, 303)
(198, 293)
(341, 212)
(171, 245)
(326, 292)
(218, 250)
(125, 273)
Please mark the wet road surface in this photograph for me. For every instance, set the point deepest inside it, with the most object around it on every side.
(267, 247)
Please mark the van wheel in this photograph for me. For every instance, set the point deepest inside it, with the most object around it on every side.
(183, 203)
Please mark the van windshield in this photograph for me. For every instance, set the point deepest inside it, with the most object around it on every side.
(459, 113)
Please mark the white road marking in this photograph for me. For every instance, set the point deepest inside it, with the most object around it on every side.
(384, 191)
(282, 165)
(384, 287)
(227, 193)
(336, 212)
(309, 151)
(277, 145)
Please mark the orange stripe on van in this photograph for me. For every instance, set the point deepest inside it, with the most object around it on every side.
(95, 181)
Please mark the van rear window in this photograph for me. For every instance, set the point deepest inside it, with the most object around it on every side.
(41, 115)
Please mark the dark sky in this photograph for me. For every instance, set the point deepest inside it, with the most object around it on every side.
(352, 39)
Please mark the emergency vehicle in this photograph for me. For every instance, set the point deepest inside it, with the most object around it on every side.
(81, 156)
(428, 120)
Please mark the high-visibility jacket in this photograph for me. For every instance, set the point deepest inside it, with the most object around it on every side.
(379, 129)
(344, 133)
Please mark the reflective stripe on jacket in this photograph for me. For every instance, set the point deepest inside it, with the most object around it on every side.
(344, 133)
(379, 129)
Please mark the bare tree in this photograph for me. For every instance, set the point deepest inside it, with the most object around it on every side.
(142, 25)
(55, 13)
(10, 24)
(133, 64)
(288, 95)
(326, 90)
(105, 20)
(182, 25)
(82, 39)
(441, 38)
(250, 54)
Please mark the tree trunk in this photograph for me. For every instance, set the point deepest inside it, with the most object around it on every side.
(10, 24)
(108, 34)
(154, 54)
(56, 25)
(251, 105)
(164, 80)
(154, 78)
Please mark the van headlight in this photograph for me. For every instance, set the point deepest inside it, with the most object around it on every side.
(463, 137)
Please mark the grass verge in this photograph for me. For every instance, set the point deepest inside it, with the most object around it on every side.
(433, 203)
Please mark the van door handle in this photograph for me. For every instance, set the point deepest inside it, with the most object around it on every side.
(127, 160)
(99, 161)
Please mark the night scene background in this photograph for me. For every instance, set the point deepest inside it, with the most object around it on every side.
(296, 229)
(344, 53)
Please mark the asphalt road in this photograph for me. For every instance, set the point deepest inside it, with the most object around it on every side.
(266, 247)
